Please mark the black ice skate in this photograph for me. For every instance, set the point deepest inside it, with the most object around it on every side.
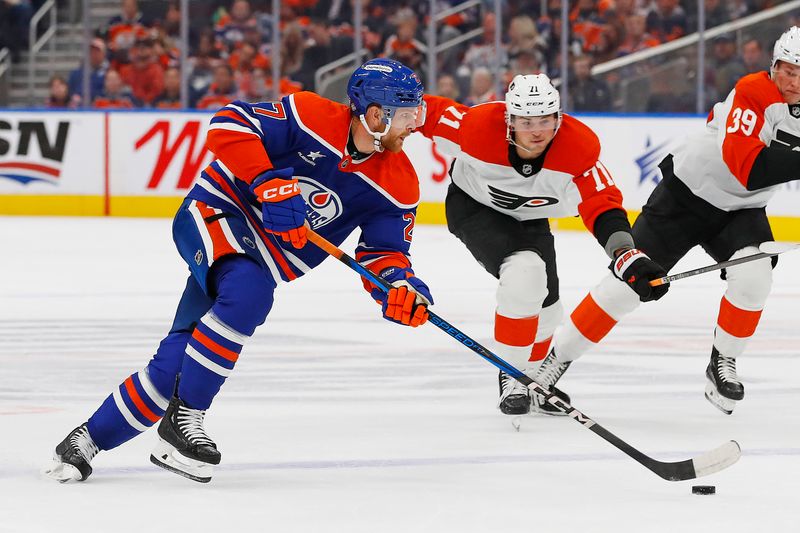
(184, 448)
(515, 398)
(723, 389)
(72, 457)
(547, 377)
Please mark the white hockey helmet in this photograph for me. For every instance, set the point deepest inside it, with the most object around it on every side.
(532, 95)
(787, 47)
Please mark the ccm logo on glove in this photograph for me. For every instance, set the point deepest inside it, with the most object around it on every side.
(276, 190)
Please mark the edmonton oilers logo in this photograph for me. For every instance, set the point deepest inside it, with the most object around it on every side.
(323, 204)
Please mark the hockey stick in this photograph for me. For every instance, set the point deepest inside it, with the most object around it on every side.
(702, 465)
(767, 249)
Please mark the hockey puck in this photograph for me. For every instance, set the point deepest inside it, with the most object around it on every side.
(704, 489)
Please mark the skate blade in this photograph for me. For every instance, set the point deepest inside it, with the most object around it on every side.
(167, 457)
(516, 422)
(62, 472)
(719, 401)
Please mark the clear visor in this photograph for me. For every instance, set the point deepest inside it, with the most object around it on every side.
(406, 117)
(533, 124)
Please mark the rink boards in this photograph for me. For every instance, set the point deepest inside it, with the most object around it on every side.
(140, 164)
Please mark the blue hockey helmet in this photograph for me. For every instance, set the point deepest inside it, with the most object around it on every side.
(384, 82)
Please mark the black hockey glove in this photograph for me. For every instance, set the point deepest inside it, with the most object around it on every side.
(637, 270)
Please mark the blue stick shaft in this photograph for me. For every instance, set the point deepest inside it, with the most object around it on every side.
(676, 471)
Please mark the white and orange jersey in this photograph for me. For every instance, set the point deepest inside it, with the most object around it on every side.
(571, 181)
(716, 164)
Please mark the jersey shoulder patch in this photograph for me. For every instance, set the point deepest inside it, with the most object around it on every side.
(575, 148)
(483, 133)
(758, 89)
(322, 118)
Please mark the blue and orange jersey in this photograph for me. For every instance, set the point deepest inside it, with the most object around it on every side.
(308, 133)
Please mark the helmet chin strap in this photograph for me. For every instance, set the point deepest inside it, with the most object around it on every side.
(511, 141)
(376, 135)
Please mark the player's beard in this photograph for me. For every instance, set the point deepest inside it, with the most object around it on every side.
(393, 140)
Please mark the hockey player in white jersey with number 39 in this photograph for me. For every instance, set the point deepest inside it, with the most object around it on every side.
(518, 163)
(714, 191)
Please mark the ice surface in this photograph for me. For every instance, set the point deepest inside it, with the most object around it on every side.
(338, 421)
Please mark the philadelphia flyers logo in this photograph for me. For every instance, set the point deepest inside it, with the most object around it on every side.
(509, 200)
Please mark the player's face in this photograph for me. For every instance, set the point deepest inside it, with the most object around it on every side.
(393, 140)
(534, 133)
(404, 121)
(787, 77)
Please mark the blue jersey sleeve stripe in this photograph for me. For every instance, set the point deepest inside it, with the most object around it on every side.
(245, 111)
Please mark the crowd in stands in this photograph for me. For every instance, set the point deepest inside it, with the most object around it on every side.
(135, 59)
(15, 17)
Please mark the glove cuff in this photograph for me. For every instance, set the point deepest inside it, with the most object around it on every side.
(626, 259)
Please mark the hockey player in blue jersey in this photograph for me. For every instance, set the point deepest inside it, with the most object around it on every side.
(242, 229)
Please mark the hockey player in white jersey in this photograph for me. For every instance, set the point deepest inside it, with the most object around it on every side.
(518, 163)
(714, 191)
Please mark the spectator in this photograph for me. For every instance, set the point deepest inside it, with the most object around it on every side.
(483, 53)
(254, 36)
(753, 56)
(145, 75)
(98, 65)
(59, 96)
(123, 30)
(115, 94)
(323, 49)
(403, 45)
(165, 56)
(481, 87)
(292, 48)
(636, 38)
(231, 27)
(523, 36)
(202, 67)
(740, 8)
(221, 92)
(605, 48)
(716, 13)
(170, 31)
(666, 20)
(339, 13)
(246, 58)
(170, 98)
(550, 29)
(285, 86)
(587, 93)
(446, 86)
(586, 24)
(15, 19)
(526, 62)
(618, 14)
(253, 87)
(726, 67)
